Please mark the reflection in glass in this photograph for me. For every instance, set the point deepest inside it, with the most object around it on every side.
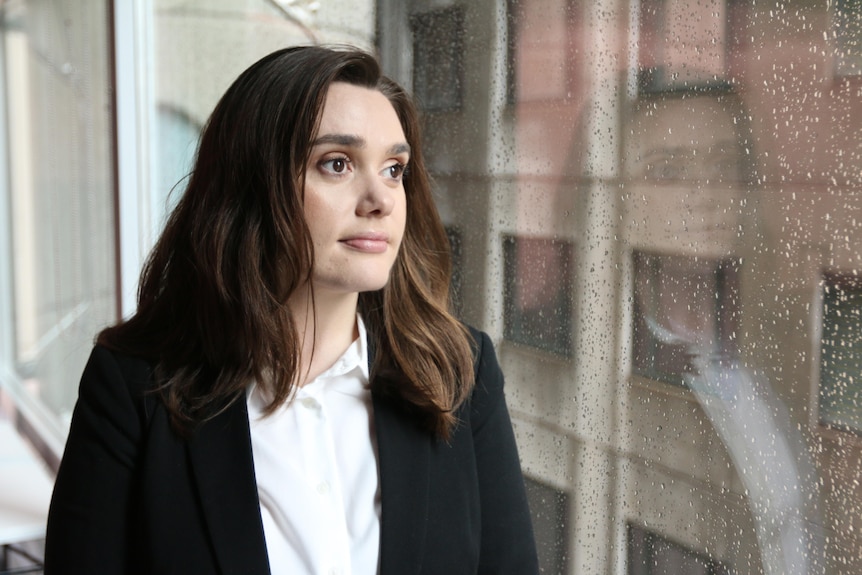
(651, 554)
(847, 30)
(688, 158)
(690, 188)
(689, 185)
(550, 510)
(537, 301)
(437, 51)
(686, 312)
(840, 394)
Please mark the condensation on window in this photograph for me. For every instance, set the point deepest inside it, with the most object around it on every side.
(658, 213)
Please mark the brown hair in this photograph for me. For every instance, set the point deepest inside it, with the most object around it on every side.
(212, 310)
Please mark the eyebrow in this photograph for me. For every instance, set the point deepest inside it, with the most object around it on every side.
(352, 141)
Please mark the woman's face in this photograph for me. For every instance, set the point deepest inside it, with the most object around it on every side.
(355, 204)
(685, 176)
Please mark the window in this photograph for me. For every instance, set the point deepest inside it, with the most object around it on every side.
(847, 31)
(685, 314)
(652, 554)
(61, 267)
(437, 51)
(537, 293)
(840, 394)
(513, 18)
(670, 31)
(550, 512)
(457, 246)
(177, 136)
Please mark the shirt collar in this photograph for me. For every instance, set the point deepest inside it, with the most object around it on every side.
(355, 357)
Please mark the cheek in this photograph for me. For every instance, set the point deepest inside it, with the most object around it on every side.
(401, 217)
(320, 217)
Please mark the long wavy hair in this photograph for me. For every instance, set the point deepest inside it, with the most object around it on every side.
(212, 311)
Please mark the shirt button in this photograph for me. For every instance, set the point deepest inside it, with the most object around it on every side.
(323, 488)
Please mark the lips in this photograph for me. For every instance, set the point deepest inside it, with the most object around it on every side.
(369, 242)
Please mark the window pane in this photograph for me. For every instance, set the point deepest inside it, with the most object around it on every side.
(659, 206)
(550, 508)
(652, 554)
(437, 69)
(847, 31)
(538, 293)
(841, 353)
(684, 315)
(60, 197)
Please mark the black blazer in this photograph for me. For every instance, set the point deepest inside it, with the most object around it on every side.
(132, 497)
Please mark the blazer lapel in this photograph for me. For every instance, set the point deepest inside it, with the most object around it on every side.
(404, 452)
(223, 467)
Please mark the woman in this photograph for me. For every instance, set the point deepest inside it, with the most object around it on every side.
(292, 394)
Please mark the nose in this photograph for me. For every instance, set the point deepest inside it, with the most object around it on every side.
(377, 198)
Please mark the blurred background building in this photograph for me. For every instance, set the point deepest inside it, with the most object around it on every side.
(655, 208)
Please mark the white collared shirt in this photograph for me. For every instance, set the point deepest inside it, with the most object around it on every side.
(315, 461)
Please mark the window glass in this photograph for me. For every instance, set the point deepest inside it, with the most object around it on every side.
(847, 32)
(437, 68)
(537, 294)
(840, 393)
(659, 207)
(684, 313)
(177, 137)
(550, 509)
(655, 208)
(652, 554)
(58, 194)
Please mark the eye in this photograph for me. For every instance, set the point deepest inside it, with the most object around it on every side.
(669, 169)
(395, 171)
(337, 165)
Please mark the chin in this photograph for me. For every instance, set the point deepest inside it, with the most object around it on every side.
(375, 286)
(362, 286)
(352, 277)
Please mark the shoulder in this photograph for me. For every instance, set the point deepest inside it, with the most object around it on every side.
(484, 356)
(136, 370)
(110, 418)
(487, 393)
(112, 377)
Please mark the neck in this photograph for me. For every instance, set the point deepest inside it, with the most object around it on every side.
(326, 327)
